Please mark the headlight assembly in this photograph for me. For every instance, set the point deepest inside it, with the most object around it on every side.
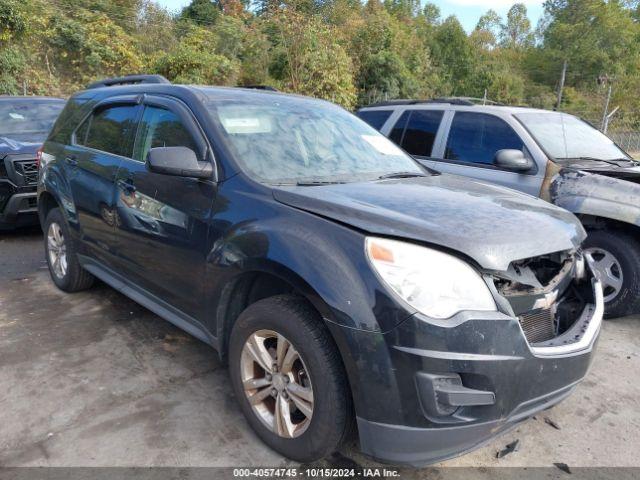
(434, 283)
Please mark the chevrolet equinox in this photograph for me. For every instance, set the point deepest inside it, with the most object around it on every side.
(345, 285)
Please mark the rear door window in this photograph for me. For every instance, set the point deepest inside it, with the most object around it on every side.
(398, 129)
(375, 118)
(476, 137)
(420, 133)
(416, 131)
(109, 129)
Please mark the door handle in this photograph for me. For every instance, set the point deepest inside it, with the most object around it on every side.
(127, 185)
(71, 160)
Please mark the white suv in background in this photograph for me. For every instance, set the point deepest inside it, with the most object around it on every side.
(553, 155)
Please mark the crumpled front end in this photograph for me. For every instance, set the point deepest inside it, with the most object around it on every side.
(456, 383)
(598, 194)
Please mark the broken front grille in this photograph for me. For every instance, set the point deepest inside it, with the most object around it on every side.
(547, 294)
(28, 169)
(538, 326)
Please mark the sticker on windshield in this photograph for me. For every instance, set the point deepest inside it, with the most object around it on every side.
(247, 125)
(381, 144)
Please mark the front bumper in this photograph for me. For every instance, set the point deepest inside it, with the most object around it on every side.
(443, 389)
(18, 196)
(18, 206)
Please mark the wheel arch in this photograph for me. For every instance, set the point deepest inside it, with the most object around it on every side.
(255, 283)
(598, 222)
(46, 202)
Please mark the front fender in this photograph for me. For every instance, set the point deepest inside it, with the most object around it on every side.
(321, 259)
(598, 195)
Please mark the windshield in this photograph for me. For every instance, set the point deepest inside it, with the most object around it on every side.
(281, 140)
(28, 120)
(564, 136)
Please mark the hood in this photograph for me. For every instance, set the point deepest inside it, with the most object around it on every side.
(598, 195)
(492, 225)
(625, 169)
(11, 146)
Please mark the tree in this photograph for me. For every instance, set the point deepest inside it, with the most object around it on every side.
(13, 20)
(403, 8)
(487, 30)
(516, 32)
(595, 36)
(307, 61)
(431, 13)
(90, 45)
(195, 61)
(453, 55)
(201, 12)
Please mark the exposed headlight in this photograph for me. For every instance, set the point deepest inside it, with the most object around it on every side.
(434, 283)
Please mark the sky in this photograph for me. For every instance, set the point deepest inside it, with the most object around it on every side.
(467, 11)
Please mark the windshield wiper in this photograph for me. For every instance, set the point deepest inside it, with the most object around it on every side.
(312, 183)
(610, 162)
(401, 175)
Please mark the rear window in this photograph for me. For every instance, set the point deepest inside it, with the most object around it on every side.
(375, 118)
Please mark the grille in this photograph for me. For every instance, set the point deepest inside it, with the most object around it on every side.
(28, 170)
(538, 326)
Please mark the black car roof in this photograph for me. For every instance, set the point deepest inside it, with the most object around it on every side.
(201, 92)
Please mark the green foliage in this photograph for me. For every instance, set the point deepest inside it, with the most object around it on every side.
(597, 37)
(12, 64)
(307, 61)
(13, 20)
(453, 55)
(202, 12)
(349, 51)
(90, 45)
(516, 32)
(195, 61)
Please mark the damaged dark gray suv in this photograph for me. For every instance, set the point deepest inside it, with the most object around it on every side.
(343, 283)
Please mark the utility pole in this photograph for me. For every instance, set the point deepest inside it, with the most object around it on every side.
(606, 110)
(561, 86)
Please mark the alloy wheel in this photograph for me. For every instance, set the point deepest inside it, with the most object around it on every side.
(57, 250)
(608, 271)
(277, 383)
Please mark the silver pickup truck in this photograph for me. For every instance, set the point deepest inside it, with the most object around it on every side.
(552, 155)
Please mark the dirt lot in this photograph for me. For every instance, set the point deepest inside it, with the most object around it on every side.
(93, 379)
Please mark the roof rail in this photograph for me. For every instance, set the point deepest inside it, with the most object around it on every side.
(467, 101)
(400, 101)
(260, 87)
(128, 80)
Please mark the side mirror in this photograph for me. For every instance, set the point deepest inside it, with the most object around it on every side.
(513, 160)
(178, 161)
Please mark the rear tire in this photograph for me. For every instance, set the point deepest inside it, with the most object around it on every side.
(318, 374)
(617, 257)
(61, 254)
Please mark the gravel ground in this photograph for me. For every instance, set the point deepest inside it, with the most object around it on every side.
(93, 379)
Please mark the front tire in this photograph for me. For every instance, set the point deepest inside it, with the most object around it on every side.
(61, 254)
(288, 376)
(617, 260)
